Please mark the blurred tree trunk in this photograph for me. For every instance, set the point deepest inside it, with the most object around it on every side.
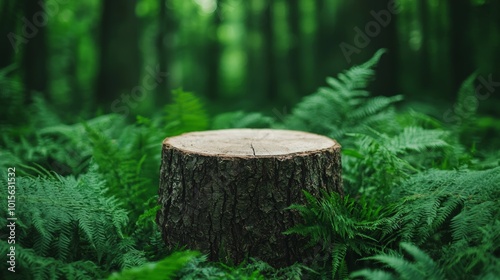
(34, 60)
(269, 54)
(163, 50)
(308, 29)
(388, 39)
(255, 79)
(439, 38)
(120, 64)
(425, 54)
(409, 60)
(462, 64)
(294, 52)
(213, 56)
(322, 42)
(494, 39)
(10, 14)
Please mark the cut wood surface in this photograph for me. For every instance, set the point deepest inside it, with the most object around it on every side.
(250, 142)
(224, 192)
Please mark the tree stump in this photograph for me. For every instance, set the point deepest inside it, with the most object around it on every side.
(224, 192)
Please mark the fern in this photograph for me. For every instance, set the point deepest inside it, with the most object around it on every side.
(69, 222)
(474, 257)
(341, 225)
(466, 200)
(459, 208)
(345, 106)
(378, 161)
(465, 108)
(186, 113)
(198, 268)
(162, 270)
(30, 265)
(423, 267)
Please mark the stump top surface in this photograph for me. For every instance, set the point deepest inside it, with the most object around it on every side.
(250, 142)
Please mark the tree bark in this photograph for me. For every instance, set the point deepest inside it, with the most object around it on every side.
(224, 192)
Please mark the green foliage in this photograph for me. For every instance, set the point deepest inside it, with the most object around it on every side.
(412, 185)
(186, 113)
(381, 148)
(30, 265)
(340, 225)
(199, 269)
(345, 106)
(240, 119)
(72, 224)
(396, 195)
(123, 161)
(463, 201)
(453, 215)
(11, 94)
(252, 270)
(161, 270)
(378, 161)
(423, 267)
(467, 104)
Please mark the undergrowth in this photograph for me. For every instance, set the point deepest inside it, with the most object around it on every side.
(421, 203)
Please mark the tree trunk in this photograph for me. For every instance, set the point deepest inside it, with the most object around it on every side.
(295, 77)
(270, 54)
(213, 58)
(11, 13)
(162, 51)
(462, 60)
(255, 67)
(119, 62)
(224, 192)
(34, 60)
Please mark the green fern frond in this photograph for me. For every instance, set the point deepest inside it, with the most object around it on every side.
(41, 113)
(467, 103)
(373, 106)
(418, 139)
(357, 77)
(338, 258)
(453, 206)
(67, 221)
(30, 265)
(422, 266)
(162, 270)
(341, 225)
(345, 106)
(185, 114)
(465, 225)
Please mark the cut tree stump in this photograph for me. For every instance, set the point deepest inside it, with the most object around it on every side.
(224, 192)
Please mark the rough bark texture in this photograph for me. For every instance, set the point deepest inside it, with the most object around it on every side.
(231, 204)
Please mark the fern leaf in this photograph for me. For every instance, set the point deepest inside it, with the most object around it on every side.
(164, 269)
(186, 113)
